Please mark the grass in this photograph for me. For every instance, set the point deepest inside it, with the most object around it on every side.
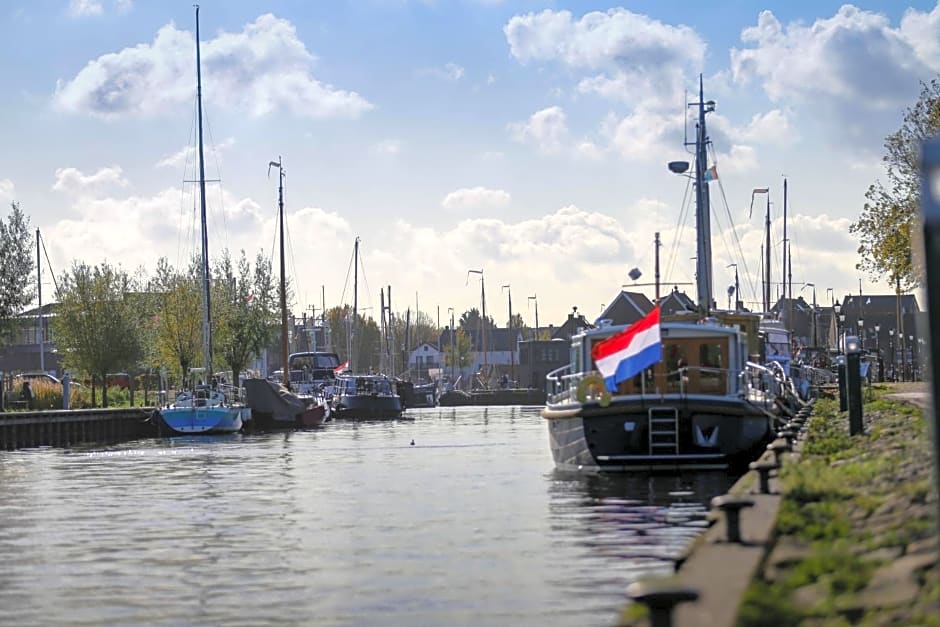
(839, 482)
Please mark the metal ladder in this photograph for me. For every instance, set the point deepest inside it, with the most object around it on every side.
(663, 431)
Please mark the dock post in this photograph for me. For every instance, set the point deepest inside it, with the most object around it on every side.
(930, 210)
(840, 368)
(66, 390)
(854, 384)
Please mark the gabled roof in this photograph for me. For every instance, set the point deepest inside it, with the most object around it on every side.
(675, 302)
(627, 308)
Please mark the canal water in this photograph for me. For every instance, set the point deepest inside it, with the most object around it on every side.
(350, 524)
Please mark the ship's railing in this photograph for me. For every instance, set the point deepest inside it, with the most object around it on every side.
(561, 384)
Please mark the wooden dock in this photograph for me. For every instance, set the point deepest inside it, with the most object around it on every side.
(74, 426)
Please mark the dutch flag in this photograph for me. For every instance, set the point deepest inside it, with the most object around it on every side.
(630, 352)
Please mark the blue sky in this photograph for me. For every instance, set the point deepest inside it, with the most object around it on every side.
(525, 138)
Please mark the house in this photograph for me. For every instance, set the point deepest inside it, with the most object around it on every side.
(627, 308)
(22, 355)
(424, 359)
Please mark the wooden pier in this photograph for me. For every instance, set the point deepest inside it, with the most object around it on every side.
(69, 427)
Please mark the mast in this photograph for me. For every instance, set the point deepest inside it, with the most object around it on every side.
(486, 365)
(783, 267)
(42, 351)
(512, 343)
(354, 363)
(206, 304)
(658, 244)
(703, 266)
(767, 273)
(285, 351)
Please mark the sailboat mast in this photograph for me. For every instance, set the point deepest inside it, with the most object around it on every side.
(767, 272)
(285, 349)
(483, 326)
(783, 268)
(703, 278)
(206, 305)
(354, 362)
(42, 351)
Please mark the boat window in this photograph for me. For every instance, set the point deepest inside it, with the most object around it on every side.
(675, 361)
(713, 368)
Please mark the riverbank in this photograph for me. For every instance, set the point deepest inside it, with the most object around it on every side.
(856, 535)
(846, 535)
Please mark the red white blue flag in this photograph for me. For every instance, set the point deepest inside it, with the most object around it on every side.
(343, 367)
(630, 352)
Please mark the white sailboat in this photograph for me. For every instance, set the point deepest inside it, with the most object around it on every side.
(203, 408)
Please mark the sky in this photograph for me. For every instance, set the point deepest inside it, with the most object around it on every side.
(525, 139)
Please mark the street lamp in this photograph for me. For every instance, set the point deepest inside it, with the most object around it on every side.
(910, 339)
(881, 362)
(535, 298)
(840, 319)
(894, 361)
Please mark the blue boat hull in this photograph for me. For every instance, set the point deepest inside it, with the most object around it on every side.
(203, 420)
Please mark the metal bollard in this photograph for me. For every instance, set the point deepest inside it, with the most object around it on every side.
(660, 598)
(732, 506)
(853, 378)
(763, 467)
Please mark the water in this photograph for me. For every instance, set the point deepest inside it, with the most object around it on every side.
(350, 524)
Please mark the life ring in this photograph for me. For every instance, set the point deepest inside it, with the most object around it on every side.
(594, 385)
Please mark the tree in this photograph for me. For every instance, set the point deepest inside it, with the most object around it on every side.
(16, 269)
(470, 320)
(179, 316)
(518, 324)
(245, 311)
(460, 354)
(889, 219)
(362, 347)
(97, 326)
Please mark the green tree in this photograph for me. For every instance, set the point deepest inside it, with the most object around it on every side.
(245, 311)
(97, 326)
(889, 219)
(16, 269)
(179, 316)
(459, 354)
(470, 320)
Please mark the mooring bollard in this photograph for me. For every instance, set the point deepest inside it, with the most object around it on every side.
(778, 448)
(854, 384)
(661, 598)
(840, 369)
(763, 467)
(788, 434)
(732, 506)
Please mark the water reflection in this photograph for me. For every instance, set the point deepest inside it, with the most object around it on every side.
(624, 527)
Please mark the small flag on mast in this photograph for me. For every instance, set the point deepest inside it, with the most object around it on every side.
(711, 174)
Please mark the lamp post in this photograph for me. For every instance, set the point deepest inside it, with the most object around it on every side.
(535, 298)
(839, 319)
(894, 364)
(881, 362)
(910, 342)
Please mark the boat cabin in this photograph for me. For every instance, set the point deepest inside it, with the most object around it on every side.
(697, 359)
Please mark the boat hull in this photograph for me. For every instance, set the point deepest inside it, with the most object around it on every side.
(657, 433)
(502, 396)
(367, 407)
(203, 420)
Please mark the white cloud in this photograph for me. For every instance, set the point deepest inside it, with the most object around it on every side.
(646, 134)
(6, 191)
(387, 147)
(638, 58)
(547, 129)
(187, 155)
(264, 68)
(472, 198)
(589, 151)
(851, 66)
(72, 181)
(450, 72)
(82, 8)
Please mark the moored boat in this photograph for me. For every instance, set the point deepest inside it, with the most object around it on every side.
(203, 408)
(665, 393)
(365, 397)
